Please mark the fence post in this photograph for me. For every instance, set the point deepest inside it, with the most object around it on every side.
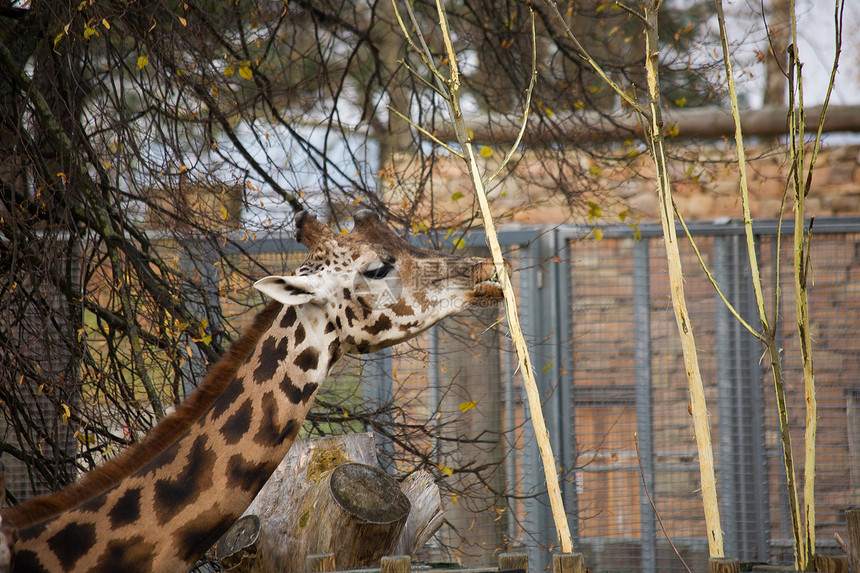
(395, 564)
(545, 272)
(852, 516)
(377, 389)
(740, 399)
(514, 562)
(567, 563)
(723, 565)
(644, 399)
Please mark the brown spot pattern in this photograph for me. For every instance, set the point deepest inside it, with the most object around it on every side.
(71, 543)
(185, 486)
(126, 510)
(289, 318)
(308, 359)
(237, 423)
(382, 324)
(272, 353)
(131, 555)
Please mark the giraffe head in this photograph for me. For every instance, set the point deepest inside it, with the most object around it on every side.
(375, 287)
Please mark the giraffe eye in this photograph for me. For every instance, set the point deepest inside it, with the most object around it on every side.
(378, 270)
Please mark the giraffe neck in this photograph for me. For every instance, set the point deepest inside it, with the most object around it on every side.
(170, 511)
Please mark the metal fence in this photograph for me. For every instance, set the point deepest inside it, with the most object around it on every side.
(609, 366)
(606, 345)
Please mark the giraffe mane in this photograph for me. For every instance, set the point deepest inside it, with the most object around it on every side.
(164, 434)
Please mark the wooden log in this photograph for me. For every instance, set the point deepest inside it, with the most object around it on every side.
(278, 503)
(286, 505)
(567, 563)
(426, 516)
(240, 545)
(514, 561)
(320, 562)
(395, 564)
(702, 122)
(852, 516)
(723, 565)
(356, 512)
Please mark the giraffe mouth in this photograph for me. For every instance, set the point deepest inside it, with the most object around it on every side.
(487, 285)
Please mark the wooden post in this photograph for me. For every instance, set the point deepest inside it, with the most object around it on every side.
(723, 565)
(830, 564)
(395, 564)
(514, 562)
(852, 516)
(567, 563)
(319, 562)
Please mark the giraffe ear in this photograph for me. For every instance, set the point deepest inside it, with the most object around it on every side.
(291, 290)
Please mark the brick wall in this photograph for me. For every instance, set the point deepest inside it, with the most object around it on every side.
(705, 183)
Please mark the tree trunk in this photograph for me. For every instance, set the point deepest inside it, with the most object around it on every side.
(779, 33)
(356, 511)
(320, 501)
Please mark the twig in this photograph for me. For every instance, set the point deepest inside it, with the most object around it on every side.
(594, 65)
(653, 506)
(526, 107)
(426, 133)
(841, 542)
(633, 13)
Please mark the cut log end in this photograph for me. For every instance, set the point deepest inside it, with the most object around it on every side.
(239, 544)
(368, 494)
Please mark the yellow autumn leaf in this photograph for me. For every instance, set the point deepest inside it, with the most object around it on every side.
(448, 471)
(466, 406)
(459, 243)
(182, 21)
(105, 24)
(65, 413)
(229, 71)
(455, 197)
(594, 211)
(548, 366)
(89, 32)
(58, 38)
(598, 234)
(455, 499)
(486, 151)
(622, 216)
(246, 72)
(142, 62)
(681, 102)
(594, 170)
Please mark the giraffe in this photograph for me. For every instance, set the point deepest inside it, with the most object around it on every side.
(159, 505)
